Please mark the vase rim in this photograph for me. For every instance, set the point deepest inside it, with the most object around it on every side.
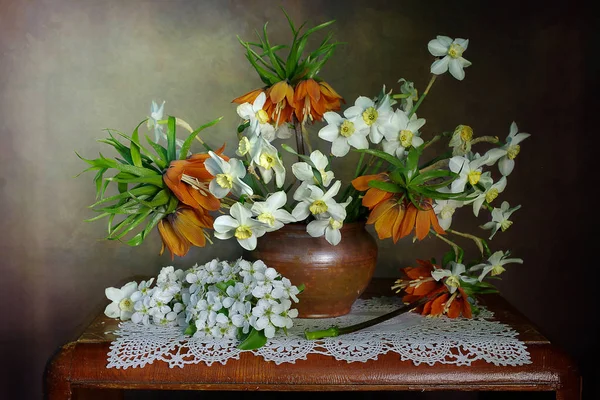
(301, 226)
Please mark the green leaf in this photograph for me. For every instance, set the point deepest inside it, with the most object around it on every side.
(142, 190)
(136, 158)
(171, 139)
(131, 224)
(386, 186)
(190, 330)
(161, 161)
(185, 147)
(383, 155)
(424, 177)
(449, 256)
(274, 62)
(256, 339)
(155, 180)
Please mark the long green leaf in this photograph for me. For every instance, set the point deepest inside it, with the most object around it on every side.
(155, 180)
(386, 186)
(161, 161)
(436, 174)
(139, 218)
(383, 155)
(171, 139)
(142, 190)
(185, 147)
(136, 158)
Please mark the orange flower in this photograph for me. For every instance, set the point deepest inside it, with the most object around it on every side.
(417, 282)
(453, 305)
(248, 97)
(420, 219)
(281, 105)
(313, 99)
(188, 180)
(374, 196)
(184, 228)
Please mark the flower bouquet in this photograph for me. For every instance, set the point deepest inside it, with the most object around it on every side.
(398, 187)
(242, 301)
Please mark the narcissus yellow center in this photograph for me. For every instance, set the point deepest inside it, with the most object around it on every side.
(224, 180)
(318, 207)
(405, 138)
(262, 116)
(465, 132)
(453, 281)
(504, 225)
(244, 146)
(266, 161)
(126, 305)
(335, 224)
(491, 195)
(243, 232)
(266, 218)
(370, 116)
(512, 151)
(455, 50)
(347, 128)
(447, 211)
(473, 177)
(497, 270)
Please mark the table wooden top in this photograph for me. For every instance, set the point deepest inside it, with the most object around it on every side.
(82, 364)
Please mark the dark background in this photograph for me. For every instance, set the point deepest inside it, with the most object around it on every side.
(69, 69)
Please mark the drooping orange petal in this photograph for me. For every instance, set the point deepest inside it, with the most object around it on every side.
(466, 306)
(422, 224)
(425, 288)
(454, 309)
(207, 201)
(375, 196)
(427, 308)
(385, 223)
(437, 306)
(329, 92)
(434, 222)
(278, 91)
(379, 210)
(417, 272)
(362, 182)
(187, 225)
(398, 223)
(248, 97)
(176, 244)
(313, 90)
(408, 222)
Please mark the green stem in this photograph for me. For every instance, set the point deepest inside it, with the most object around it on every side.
(299, 139)
(480, 243)
(422, 97)
(335, 331)
(457, 250)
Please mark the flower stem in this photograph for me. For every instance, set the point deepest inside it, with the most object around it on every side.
(480, 243)
(422, 97)
(299, 138)
(335, 331)
(458, 252)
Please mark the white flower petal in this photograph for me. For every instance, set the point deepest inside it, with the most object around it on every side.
(333, 236)
(248, 244)
(437, 48)
(456, 69)
(114, 294)
(440, 66)
(340, 147)
(112, 310)
(332, 118)
(506, 166)
(316, 228)
(329, 133)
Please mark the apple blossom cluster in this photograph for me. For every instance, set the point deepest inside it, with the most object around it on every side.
(219, 299)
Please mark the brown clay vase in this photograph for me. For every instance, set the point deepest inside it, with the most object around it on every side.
(333, 276)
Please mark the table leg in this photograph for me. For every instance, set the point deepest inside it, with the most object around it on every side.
(58, 373)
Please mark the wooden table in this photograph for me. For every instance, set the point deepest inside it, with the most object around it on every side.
(81, 365)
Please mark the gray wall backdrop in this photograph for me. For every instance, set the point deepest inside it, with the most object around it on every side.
(69, 69)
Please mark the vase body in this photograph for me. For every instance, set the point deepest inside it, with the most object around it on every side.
(333, 276)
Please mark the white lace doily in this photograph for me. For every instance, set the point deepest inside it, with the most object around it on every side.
(412, 336)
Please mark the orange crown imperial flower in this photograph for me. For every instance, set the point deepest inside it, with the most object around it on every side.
(184, 228)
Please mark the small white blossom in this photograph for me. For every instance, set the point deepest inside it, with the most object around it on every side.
(122, 305)
(405, 134)
(500, 218)
(258, 118)
(451, 52)
(495, 264)
(376, 118)
(506, 154)
(271, 213)
(343, 133)
(318, 203)
(227, 176)
(304, 172)
(453, 276)
(468, 170)
(489, 193)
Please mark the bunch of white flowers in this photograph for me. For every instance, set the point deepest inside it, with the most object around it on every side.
(241, 300)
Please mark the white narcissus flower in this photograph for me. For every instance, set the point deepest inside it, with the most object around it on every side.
(461, 140)
(304, 172)
(444, 209)
(320, 204)
(405, 134)
(467, 170)
(258, 118)
(500, 218)
(227, 176)
(328, 226)
(495, 264)
(451, 51)
(506, 154)
(409, 94)
(453, 276)
(270, 211)
(241, 225)
(156, 115)
(122, 305)
(268, 161)
(490, 192)
(376, 118)
(343, 133)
